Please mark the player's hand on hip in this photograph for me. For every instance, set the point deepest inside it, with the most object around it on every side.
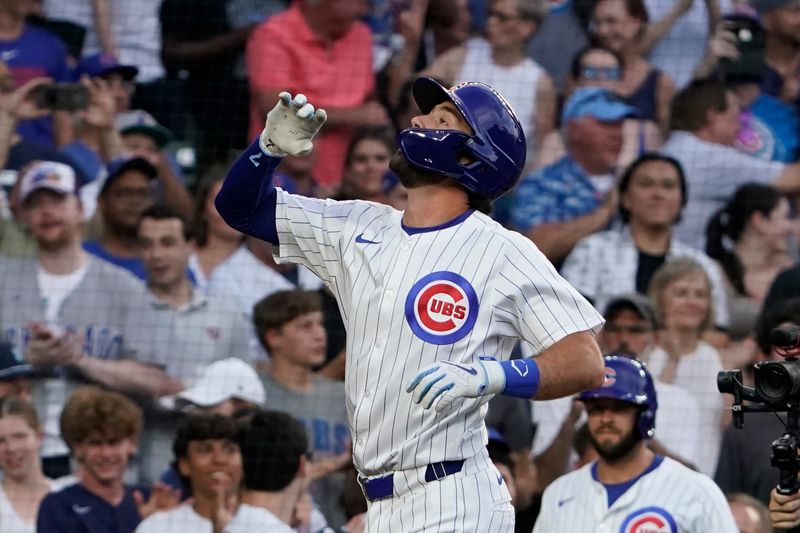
(442, 383)
(291, 125)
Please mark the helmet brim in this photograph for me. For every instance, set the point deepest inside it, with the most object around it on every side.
(428, 93)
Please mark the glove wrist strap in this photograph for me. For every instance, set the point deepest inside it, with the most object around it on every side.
(268, 147)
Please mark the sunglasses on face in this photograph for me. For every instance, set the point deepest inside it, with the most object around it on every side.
(601, 73)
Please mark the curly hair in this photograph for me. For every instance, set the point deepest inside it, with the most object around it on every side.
(92, 410)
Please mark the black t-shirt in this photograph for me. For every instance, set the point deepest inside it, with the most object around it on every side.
(648, 264)
(199, 20)
(512, 418)
(744, 458)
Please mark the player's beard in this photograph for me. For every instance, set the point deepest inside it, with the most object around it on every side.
(612, 453)
(411, 176)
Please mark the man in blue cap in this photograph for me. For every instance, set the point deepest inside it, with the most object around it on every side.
(118, 76)
(574, 197)
(16, 374)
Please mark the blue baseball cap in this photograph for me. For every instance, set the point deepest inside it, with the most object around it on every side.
(13, 365)
(97, 65)
(598, 103)
(115, 168)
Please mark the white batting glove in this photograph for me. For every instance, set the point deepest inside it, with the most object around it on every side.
(290, 126)
(442, 383)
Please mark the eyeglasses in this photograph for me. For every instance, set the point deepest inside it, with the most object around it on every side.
(502, 17)
(601, 73)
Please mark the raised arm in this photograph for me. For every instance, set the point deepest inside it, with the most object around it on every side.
(247, 199)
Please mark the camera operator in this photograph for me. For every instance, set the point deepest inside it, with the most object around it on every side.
(744, 460)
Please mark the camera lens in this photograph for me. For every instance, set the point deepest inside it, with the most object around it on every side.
(777, 381)
(745, 35)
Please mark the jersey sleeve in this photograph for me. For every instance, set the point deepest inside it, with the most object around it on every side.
(310, 231)
(712, 512)
(580, 270)
(547, 307)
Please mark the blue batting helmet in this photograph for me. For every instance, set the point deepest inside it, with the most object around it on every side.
(488, 162)
(629, 381)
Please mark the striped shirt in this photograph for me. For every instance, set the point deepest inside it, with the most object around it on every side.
(410, 297)
(669, 499)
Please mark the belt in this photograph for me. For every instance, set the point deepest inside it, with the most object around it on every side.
(378, 488)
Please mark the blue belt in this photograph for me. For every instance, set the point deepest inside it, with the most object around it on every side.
(378, 488)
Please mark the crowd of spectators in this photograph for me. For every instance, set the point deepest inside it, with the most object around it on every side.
(160, 372)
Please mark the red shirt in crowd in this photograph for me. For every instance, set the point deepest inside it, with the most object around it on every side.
(284, 54)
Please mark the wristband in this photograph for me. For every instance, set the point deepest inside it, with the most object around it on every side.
(522, 378)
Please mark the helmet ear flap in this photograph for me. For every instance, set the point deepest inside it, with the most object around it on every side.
(647, 423)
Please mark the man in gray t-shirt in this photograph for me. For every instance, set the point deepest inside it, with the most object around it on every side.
(68, 313)
(289, 324)
(178, 330)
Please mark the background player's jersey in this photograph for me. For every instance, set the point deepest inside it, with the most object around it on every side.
(669, 499)
(410, 298)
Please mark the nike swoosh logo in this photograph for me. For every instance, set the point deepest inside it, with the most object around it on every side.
(565, 500)
(361, 240)
(464, 368)
(79, 509)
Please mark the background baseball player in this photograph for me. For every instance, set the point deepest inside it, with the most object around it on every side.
(425, 294)
(629, 489)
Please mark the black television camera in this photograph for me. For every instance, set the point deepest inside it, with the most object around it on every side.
(777, 389)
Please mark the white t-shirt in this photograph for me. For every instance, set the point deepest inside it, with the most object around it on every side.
(242, 277)
(135, 26)
(697, 374)
(10, 521)
(182, 518)
(250, 519)
(55, 288)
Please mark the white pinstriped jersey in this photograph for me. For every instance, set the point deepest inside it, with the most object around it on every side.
(669, 499)
(455, 293)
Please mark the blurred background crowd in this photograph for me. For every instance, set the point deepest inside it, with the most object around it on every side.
(662, 181)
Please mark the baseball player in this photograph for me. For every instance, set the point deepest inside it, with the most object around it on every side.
(434, 299)
(629, 489)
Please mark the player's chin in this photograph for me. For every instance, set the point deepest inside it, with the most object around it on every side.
(411, 176)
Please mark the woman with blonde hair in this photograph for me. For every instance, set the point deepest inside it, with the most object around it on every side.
(24, 485)
(681, 295)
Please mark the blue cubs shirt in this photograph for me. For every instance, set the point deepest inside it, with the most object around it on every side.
(74, 509)
(35, 53)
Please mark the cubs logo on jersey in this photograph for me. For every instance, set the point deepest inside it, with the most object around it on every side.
(649, 520)
(441, 308)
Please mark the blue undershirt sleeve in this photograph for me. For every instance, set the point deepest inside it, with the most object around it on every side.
(247, 199)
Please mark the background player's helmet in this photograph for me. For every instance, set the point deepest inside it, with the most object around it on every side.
(629, 381)
(495, 153)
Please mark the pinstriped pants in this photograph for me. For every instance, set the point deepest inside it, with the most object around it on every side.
(474, 500)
